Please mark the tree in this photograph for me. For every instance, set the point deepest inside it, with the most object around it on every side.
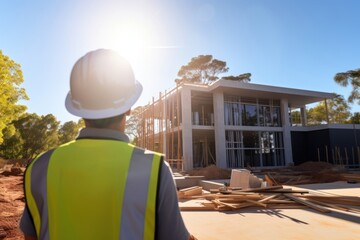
(338, 111)
(201, 69)
(11, 148)
(11, 78)
(68, 131)
(352, 77)
(355, 118)
(39, 133)
(133, 123)
(245, 77)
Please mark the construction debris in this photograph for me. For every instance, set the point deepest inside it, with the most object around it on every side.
(270, 197)
(308, 173)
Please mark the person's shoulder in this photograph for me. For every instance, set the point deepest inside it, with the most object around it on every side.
(147, 151)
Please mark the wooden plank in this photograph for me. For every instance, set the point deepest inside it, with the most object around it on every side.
(342, 208)
(191, 191)
(270, 180)
(187, 189)
(260, 189)
(245, 197)
(287, 190)
(196, 208)
(217, 202)
(307, 203)
(347, 200)
(267, 199)
(258, 203)
(286, 206)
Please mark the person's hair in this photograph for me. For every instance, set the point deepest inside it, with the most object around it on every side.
(104, 122)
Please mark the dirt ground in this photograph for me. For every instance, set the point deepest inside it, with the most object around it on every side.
(11, 206)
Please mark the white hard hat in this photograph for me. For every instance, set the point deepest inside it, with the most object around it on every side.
(102, 85)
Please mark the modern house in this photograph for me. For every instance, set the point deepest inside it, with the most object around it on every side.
(236, 124)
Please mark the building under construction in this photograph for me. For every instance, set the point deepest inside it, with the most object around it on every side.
(230, 124)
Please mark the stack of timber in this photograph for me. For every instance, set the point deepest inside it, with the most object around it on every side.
(309, 173)
(351, 177)
(274, 197)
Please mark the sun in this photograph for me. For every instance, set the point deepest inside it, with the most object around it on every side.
(130, 40)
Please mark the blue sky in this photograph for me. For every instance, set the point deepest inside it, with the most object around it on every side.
(287, 43)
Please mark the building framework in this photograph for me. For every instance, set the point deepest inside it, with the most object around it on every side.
(228, 123)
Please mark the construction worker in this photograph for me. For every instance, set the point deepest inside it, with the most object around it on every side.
(99, 186)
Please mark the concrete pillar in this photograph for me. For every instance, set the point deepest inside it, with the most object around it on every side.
(303, 116)
(286, 132)
(220, 145)
(187, 141)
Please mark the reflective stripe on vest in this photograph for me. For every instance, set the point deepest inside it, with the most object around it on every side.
(94, 189)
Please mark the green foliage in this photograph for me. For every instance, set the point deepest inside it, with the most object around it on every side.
(11, 78)
(133, 123)
(338, 111)
(245, 77)
(11, 148)
(39, 133)
(295, 117)
(201, 69)
(68, 131)
(31, 135)
(351, 77)
(355, 118)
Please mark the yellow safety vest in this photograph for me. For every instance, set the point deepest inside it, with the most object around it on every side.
(94, 189)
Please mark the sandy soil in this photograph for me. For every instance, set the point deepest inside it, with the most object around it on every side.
(11, 206)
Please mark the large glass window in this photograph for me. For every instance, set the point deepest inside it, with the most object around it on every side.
(249, 115)
(254, 149)
(251, 112)
(265, 116)
(233, 149)
(276, 117)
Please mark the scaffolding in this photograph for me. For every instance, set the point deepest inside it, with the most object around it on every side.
(160, 127)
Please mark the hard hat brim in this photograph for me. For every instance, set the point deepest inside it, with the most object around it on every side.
(103, 113)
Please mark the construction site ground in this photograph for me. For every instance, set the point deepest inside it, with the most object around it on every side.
(278, 224)
(247, 223)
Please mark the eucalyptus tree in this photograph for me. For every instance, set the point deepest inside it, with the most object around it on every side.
(11, 77)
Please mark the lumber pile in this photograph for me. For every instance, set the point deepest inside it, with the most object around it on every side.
(188, 192)
(273, 197)
(351, 177)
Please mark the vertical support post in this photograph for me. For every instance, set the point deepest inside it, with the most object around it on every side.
(178, 159)
(303, 116)
(153, 125)
(327, 154)
(165, 119)
(219, 123)
(187, 139)
(160, 119)
(172, 125)
(327, 111)
(286, 131)
(346, 157)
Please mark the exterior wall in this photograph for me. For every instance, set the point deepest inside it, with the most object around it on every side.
(333, 144)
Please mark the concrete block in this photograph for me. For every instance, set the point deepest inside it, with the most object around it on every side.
(240, 178)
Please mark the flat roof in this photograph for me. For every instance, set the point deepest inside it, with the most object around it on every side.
(296, 97)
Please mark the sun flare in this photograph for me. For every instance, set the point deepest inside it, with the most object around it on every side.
(130, 40)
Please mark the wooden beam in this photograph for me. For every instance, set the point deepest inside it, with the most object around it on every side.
(307, 203)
